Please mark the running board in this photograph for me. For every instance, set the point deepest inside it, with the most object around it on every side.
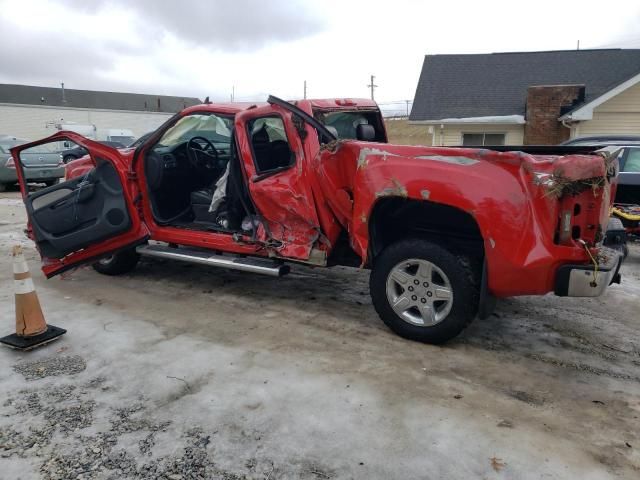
(245, 264)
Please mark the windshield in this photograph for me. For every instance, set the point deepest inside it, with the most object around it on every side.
(216, 129)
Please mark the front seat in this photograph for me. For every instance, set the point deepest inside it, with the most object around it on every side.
(200, 201)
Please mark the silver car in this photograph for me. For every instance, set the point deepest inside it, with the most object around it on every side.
(41, 164)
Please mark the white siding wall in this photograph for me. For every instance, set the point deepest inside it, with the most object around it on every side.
(452, 133)
(618, 115)
(30, 122)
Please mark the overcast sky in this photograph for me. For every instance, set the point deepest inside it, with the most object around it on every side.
(205, 47)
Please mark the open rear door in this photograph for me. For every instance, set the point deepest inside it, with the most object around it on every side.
(85, 218)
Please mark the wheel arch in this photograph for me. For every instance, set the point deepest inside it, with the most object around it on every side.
(397, 218)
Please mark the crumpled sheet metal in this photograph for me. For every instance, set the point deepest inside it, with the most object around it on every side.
(498, 189)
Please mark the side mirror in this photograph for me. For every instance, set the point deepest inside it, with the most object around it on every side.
(365, 132)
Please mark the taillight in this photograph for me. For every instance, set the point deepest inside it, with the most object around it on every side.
(10, 163)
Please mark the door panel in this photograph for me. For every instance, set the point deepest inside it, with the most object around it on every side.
(282, 195)
(85, 218)
(79, 212)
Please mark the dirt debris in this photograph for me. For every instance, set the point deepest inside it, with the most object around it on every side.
(497, 464)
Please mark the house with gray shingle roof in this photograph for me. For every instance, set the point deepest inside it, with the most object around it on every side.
(528, 97)
(33, 112)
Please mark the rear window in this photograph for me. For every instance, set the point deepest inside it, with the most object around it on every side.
(346, 122)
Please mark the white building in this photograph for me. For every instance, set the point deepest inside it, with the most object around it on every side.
(32, 112)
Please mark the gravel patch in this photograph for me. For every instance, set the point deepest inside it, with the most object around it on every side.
(60, 365)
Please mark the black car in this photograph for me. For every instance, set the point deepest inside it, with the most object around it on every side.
(604, 141)
(627, 201)
(78, 151)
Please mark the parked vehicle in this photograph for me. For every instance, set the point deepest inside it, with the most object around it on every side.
(79, 151)
(626, 206)
(627, 200)
(604, 140)
(80, 166)
(255, 187)
(41, 164)
(120, 135)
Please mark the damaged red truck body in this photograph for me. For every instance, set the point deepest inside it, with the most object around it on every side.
(445, 231)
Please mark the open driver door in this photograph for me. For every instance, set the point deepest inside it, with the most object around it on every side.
(86, 218)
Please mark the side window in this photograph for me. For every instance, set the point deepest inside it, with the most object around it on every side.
(632, 163)
(271, 150)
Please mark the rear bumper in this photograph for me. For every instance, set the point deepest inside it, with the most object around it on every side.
(583, 281)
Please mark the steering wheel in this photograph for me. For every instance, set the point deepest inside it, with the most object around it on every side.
(195, 151)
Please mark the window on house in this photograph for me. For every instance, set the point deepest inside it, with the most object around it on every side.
(481, 139)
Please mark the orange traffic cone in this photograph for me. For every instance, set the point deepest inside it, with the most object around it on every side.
(31, 328)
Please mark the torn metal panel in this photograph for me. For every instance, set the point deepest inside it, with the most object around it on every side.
(396, 190)
(503, 191)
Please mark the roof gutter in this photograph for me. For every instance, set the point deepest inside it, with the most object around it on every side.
(495, 120)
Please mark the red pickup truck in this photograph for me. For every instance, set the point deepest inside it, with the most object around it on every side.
(444, 231)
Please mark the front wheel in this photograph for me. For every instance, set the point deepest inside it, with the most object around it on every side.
(423, 292)
(118, 263)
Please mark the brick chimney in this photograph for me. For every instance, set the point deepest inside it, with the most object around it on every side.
(545, 103)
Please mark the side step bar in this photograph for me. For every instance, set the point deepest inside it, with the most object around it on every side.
(245, 264)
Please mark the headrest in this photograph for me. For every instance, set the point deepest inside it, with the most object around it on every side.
(365, 132)
(260, 136)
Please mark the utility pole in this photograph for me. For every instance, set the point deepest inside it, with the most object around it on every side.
(305, 90)
(233, 93)
(407, 106)
(64, 99)
(372, 86)
(578, 45)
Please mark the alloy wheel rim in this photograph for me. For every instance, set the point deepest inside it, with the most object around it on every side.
(419, 292)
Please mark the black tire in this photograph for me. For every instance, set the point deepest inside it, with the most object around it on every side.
(69, 158)
(118, 263)
(463, 281)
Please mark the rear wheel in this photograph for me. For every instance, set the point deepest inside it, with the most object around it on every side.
(3, 187)
(68, 158)
(118, 263)
(423, 292)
